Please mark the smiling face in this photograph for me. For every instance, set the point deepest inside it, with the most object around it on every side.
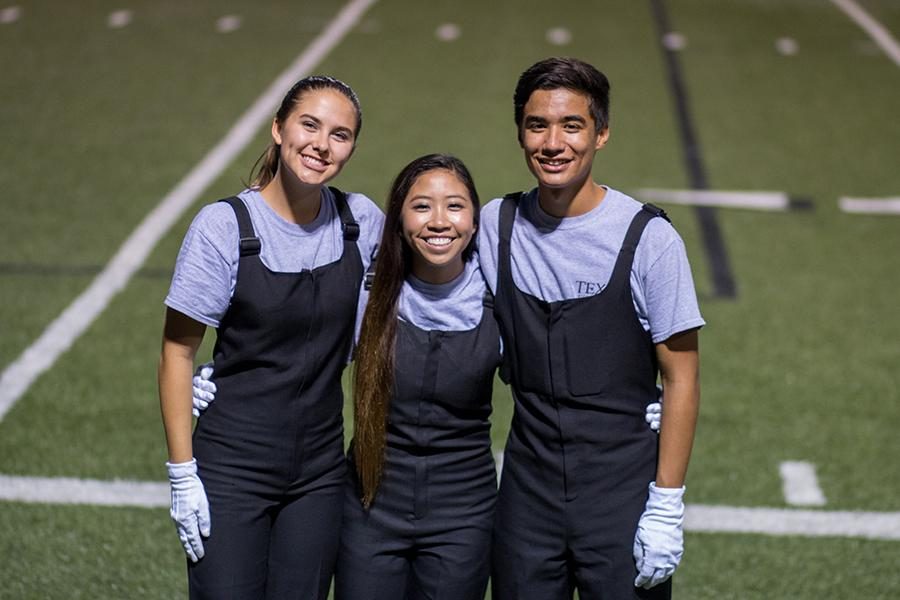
(317, 137)
(559, 138)
(437, 224)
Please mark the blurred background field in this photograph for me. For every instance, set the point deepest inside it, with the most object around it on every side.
(105, 106)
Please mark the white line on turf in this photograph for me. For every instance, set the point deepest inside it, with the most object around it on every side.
(871, 206)
(698, 517)
(800, 484)
(876, 30)
(776, 201)
(792, 521)
(119, 18)
(77, 317)
(68, 490)
(10, 14)
(228, 23)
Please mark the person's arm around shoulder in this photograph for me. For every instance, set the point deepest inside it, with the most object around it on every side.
(189, 509)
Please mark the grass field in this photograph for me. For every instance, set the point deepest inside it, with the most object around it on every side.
(100, 123)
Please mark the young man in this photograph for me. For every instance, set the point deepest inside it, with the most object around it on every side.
(594, 297)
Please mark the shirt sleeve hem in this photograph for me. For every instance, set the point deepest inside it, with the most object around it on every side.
(174, 305)
(679, 328)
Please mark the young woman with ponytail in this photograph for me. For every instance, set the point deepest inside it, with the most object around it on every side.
(277, 271)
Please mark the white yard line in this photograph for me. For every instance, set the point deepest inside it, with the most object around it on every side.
(68, 490)
(776, 201)
(800, 484)
(793, 521)
(698, 517)
(876, 30)
(74, 320)
(871, 206)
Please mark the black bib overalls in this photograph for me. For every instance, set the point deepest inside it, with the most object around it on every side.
(428, 532)
(270, 448)
(580, 455)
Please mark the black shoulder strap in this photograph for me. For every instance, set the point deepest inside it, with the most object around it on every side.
(348, 224)
(622, 269)
(656, 211)
(249, 244)
(507, 217)
(487, 300)
(369, 277)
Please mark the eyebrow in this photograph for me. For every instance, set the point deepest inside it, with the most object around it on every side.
(448, 197)
(533, 119)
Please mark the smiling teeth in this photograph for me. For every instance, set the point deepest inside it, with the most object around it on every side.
(438, 241)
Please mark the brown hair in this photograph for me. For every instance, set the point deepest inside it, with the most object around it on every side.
(569, 73)
(373, 377)
(265, 167)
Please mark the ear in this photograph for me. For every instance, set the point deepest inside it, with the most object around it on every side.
(602, 138)
(276, 132)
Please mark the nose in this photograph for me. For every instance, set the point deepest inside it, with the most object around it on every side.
(438, 220)
(553, 142)
(320, 142)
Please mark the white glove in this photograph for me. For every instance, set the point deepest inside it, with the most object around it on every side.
(204, 390)
(654, 411)
(190, 509)
(659, 540)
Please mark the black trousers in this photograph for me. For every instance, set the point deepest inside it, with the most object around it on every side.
(268, 548)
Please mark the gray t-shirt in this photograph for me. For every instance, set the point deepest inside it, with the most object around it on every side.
(206, 268)
(453, 306)
(565, 258)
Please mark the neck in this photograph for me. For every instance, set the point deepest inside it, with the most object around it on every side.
(437, 275)
(571, 201)
(291, 200)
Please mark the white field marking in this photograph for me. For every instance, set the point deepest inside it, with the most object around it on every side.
(447, 32)
(698, 517)
(77, 317)
(793, 521)
(10, 14)
(786, 46)
(67, 490)
(118, 19)
(872, 206)
(876, 30)
(800, 484)
(674, 41)
(777, 201)
(228, 23)
(559, 36)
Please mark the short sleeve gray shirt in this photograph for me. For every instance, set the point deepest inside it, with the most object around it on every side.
(573, 257)
(453, 306)
(207, 264)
